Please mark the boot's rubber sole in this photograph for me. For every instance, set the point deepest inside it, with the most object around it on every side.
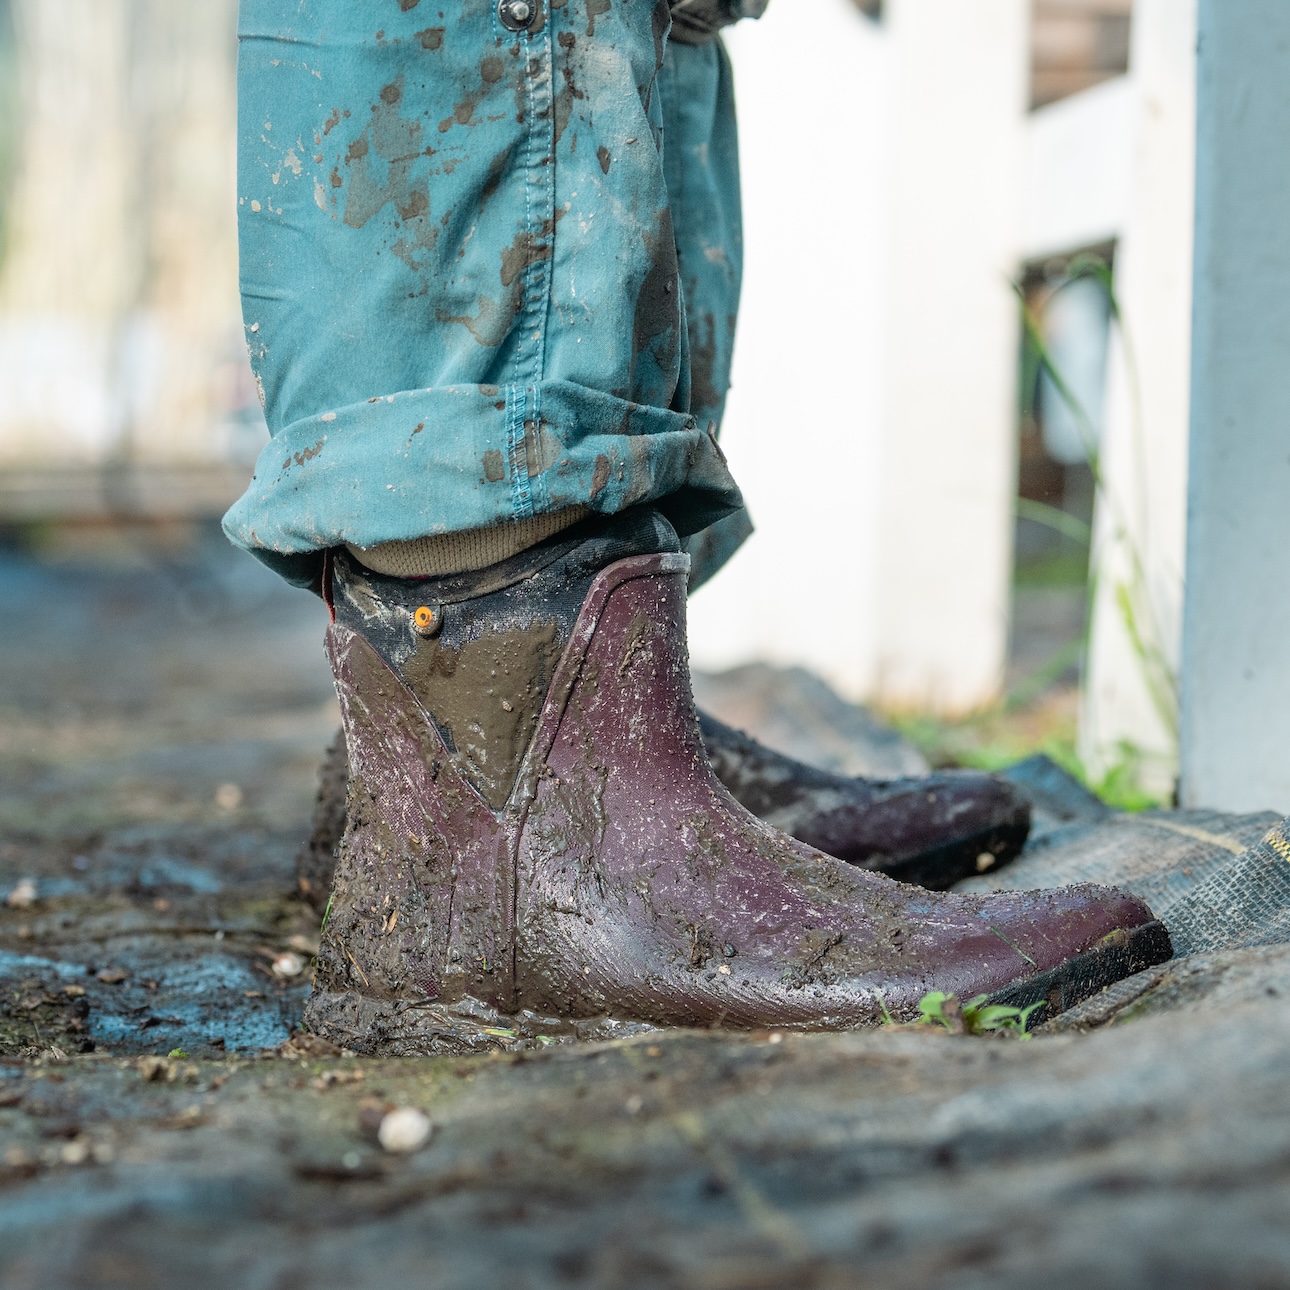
(401, 1028)
(1113, 958)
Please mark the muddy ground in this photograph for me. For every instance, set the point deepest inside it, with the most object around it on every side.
(161, 719)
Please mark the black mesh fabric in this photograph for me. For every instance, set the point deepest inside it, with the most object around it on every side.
(1241, 903)
(1216, 881)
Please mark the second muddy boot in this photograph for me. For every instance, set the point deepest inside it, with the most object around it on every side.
(537, 840)
(930, 829)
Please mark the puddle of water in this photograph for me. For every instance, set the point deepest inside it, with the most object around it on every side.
(26, 964)
(203, 1000)
(165, 872)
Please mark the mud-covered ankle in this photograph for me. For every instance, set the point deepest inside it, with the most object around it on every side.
(479, 649)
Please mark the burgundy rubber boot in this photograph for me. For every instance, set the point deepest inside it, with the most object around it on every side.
(537, 842)
(929, 829)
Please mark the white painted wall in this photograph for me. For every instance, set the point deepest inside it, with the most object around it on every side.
(898, 549)
(1079, 170)
(872, 419)
(802, 430)
(948, 471)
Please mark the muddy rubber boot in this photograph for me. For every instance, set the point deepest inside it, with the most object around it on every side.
(537, 842)
(931, 829)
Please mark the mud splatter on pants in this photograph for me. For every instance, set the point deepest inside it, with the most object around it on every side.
(486, 274)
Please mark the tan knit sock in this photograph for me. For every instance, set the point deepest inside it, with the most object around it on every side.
(448, 553)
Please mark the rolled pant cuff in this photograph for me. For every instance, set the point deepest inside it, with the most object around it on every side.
(444, 460)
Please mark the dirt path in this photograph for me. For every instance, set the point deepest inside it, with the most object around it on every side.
(159, 731)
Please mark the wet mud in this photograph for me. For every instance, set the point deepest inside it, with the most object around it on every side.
(681, 1160)
(163, 721)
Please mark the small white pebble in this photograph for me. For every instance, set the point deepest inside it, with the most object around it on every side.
(228, 797)
(984, 861)
(724, 970)
(404, 1129)
(288, 965)
(23, 896)
(76, 1152)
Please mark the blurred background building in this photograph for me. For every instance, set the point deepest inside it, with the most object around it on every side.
(966, 331)
(968, 313)
(123, 378)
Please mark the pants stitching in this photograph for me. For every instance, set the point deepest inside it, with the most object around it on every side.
(530, 350)
(516, 456)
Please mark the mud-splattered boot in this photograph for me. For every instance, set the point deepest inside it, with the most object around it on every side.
(930, 829)
(537, 841)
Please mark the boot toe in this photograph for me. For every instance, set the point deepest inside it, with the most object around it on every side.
(1052, 927)
(1088, 938)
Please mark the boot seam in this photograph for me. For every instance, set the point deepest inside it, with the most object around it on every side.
(560, 692)
(567, 671)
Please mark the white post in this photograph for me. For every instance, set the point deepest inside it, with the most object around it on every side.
(1129, 705)
(949, 426)
(1236, 643)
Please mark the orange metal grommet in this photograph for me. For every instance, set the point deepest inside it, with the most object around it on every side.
(427, 620)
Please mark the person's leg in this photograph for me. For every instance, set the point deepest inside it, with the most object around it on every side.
(896, 828)
(534, 828)
(459, 277)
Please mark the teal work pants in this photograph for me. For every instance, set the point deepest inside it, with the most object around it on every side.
(486, 274)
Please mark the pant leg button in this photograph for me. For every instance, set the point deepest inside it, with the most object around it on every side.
(517, 15)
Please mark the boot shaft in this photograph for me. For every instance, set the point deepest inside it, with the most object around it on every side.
(450, 692)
